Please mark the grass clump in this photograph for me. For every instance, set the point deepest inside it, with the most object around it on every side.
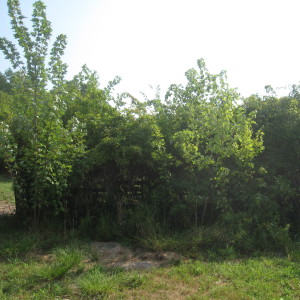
(98, 282)
(64, 261)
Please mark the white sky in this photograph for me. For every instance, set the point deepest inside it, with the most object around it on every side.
(154, 42)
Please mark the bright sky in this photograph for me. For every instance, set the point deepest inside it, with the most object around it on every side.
(155, 41)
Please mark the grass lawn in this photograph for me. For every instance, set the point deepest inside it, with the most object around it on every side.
(45, 264)
(6, 192)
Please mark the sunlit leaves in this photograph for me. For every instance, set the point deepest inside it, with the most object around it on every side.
(40, 147)
(214, 127)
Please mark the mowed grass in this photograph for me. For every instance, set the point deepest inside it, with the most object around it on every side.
(6, 191)
(46, 264)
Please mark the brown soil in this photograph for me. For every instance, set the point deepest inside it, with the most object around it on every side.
(112, 254)
(7, 209)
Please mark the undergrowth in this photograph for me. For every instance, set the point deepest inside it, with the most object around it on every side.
(46, 264)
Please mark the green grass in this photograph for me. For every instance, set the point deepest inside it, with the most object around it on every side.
(98, 282)
(259, 278)
(66, 270)
(16, 245)
(6, 191)
(64, 260)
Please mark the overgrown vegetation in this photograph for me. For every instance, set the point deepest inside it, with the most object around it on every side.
(47, 264)
(200, 170)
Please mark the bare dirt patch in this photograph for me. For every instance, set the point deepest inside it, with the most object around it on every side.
(113, 254)
(7, 208)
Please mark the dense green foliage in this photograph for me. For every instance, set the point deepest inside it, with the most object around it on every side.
(38, 147)
(196, 159)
